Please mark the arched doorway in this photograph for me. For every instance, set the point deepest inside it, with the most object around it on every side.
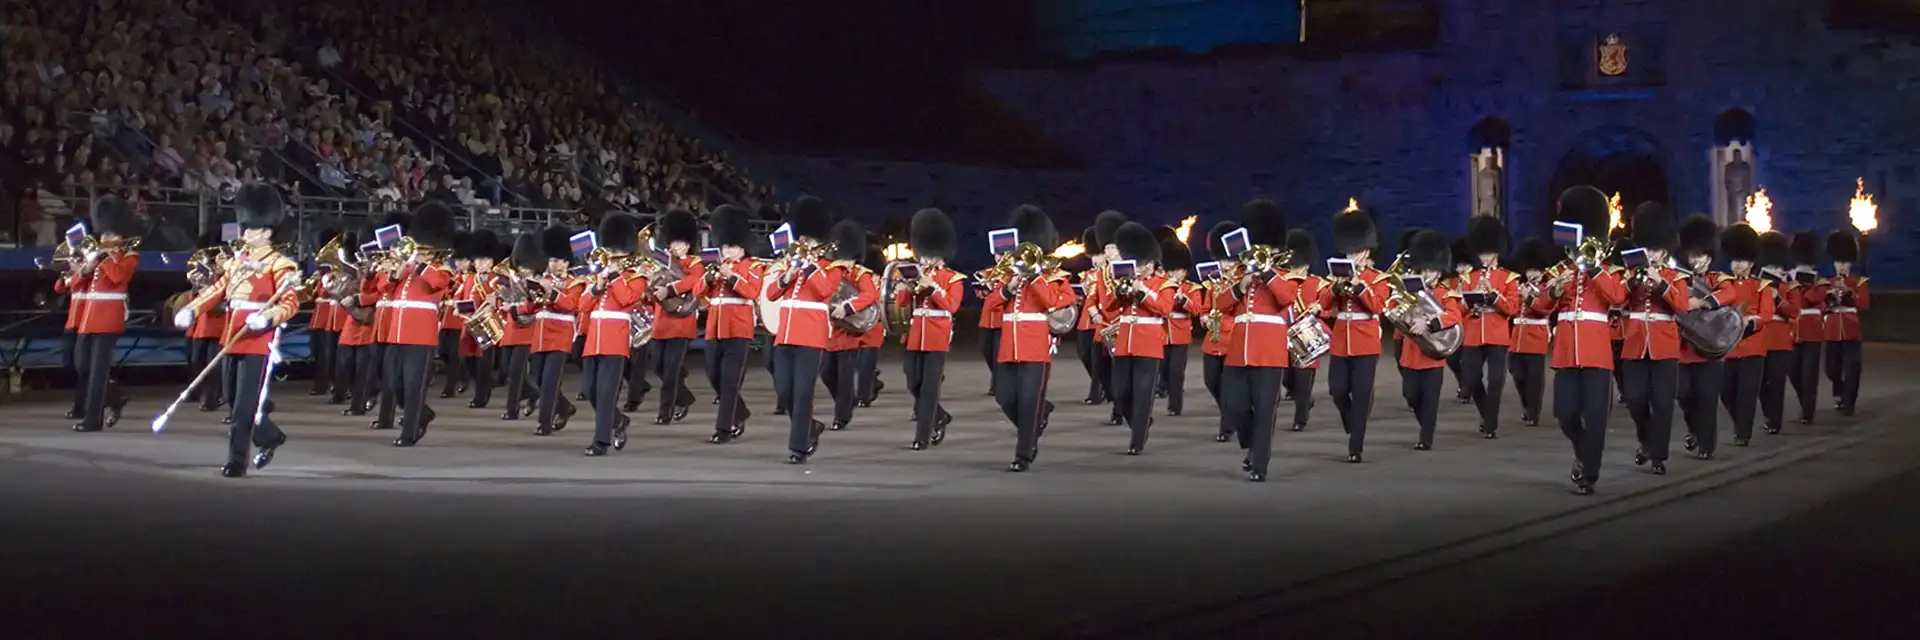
(1619, 160)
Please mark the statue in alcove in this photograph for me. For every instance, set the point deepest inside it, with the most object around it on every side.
(1487, 174)
(1738, 179)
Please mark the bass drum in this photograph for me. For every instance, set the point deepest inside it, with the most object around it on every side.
(769, 309)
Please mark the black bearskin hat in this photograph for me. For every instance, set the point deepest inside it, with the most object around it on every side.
(677, 224)
(404, 220)
(485, 244)
(1301, 249)
(1406, 238)
(462, 245)
(931, 235)
(1806, 249)
(849, 241)
(1105, 226)
(556, 244)
(1089, 241)
(1653, 227)
(1174, 254)
(1486, 234)
(1428, 251)
(327, 235)
(1462, 251)
(1843, 246)
(258, 206)
(1354, 232)
(1035, 227)
(810, 218)
(731, 228)
(1537, 253)
(1775, 250)
(1215, 245)
(619, 232)
(1164, 233)
(1740, 242)
(1136, 243)
(1266, 225)
(433, 225)
(1698, 235)
(113, 215)
(1584, 206)
(527, 252)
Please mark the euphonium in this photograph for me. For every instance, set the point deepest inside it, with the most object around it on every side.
(899, 316)
(1406, 309)
(1264, 258)
(1002, 267)
(66, 256)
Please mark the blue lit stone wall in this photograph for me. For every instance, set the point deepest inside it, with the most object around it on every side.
(1083, 28)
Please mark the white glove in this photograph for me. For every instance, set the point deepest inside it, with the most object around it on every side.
(258, 322)
(183, 318)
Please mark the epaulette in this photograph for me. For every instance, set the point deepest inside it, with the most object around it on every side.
(1451, 294)
(1295, 276)
(1169, 284)
(1056, 276)
(1379, 278)
(954, 276)
(1863, 279)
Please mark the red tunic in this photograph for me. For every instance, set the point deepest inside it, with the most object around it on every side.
(730, 300)
(1354, 320)
(1532, 329)
(1143, 323)
(803, 306)
(693, 278)
(462, 290)
(1581, 339)
(1310, 286)
(257, 294)
(1648, 321)
(1451, 311)
(1219, 303)
(1756, 305)
(1260, 339)
(1843, 317)
(1723, 294)
(208, 326)
(609, 326)
(414, 299)
(1776, 330)
(1494, 326)
(1024, 336)
(867, 286)
(557, 322)
(991, 309)
(931, 328)
(99, 297)
(1180, 320)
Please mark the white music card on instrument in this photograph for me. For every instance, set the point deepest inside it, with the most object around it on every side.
(1207, 270)
(1340, 267)
(76, 234)
(710, 255)
(463, 307)
(1236, 242)
(908, 271)
(781, 238)
(388, 235)
(583, 243)
(1002, 240)
(1124, 269)
(1634, 258)
(1079, 290)
(370, 246)
(1414, 284)
(229, 231)
(1568, 234)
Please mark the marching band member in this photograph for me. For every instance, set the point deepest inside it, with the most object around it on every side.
(1746, 363)
(1846, 298)
(1406, 381)
(841, 369)
(1026, 343)
(1214, 346)
(803, 285)
(1776, 330)
(353, 355)
(1302, 253)
(1532, 330)
(1086, 343)
(680, 233)
(1188, 303)
(323, 336)
(1622, 240)
(556, 320)
(1463, 267)
(866, 379)
(98, 288)
(1700, 376)
(1352, 305)
(373, 365)
(416, 286)
(730, 288)
(481, 287)
(933, 297)
(1137, 308)
(258, 290)
(1809, 293)
(1489, 330)
(1426, 257)
(990, 326)
(1649, 355)
(517, 323)
(616, 293)
(1257, 358)
(204, 337)
(453, 362)
(1579, 296)
(1105, 226)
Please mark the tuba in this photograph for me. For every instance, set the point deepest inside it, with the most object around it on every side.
(861, 321)
(1406, 309)
(1712, 332)
(899, 316)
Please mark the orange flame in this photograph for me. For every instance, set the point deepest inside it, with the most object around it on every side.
(1353, 204)
(1185, 228)
(1069, 250)
(1614, 219)
(897, 251)
(1760, 211)
(1863, 212)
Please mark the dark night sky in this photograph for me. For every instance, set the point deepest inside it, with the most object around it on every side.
(806, 74)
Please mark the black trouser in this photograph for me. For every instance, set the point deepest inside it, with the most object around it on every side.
(673, 375)
(1773, 387)
(1103, 372)
(1847, 383)
(250, 374)
(1086, 346)
(1300, 384)
(370, 364)
(1530, 381)
(838, 371)
(483, 377)
(1425, 385)
(1406, 384)
(867, 378)
(990, 352)
(346, 371)
(781, 401)
(1698, 388)
(604, 374)
(70, 360)
(1350, 382)
(727, 372)
(1253, 394)
(514, 360)
(1235, 411)
(406, 374)
(1133, 378)
(322, 345)
(547, 368)
(1806, 377)
(1833, 368)
(1740, 392)
(1174, 369)
(1210, 366)
(200, 352)
(1484, 368)
(94, 357)
(795, 368)
(1454, 366)
(453, 366)
(640, 361)
(1023, 399)
(924, 370)
(1649, 391)
(1581, 401)
(1619, 345)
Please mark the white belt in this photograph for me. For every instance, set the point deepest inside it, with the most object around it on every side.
(1843, 310)
(412, 304)
(1577, 316)
(556, 317)
(325, 301)
(1536, 322)
(1263, 318)
(1753, 318)
(724, 301)
(383, 304)
(1023, 317)
(931, 313)
(624, 316)
(1650, 317)
(802, 304)
(1176, 316)
(1809, 312)
(1353, 315)
(246, 305)
(100, 296)
(1141, 320)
